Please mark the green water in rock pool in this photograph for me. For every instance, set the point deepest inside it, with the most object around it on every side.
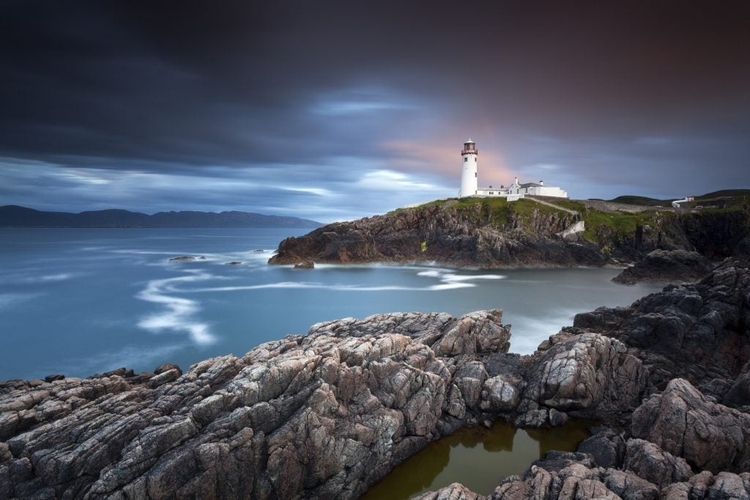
(477, 457)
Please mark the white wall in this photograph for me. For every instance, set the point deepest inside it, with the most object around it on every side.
(547, 191)
(468, 175)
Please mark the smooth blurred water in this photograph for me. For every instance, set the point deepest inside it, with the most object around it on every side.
(82, 301)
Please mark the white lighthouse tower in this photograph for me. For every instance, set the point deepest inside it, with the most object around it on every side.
(469, 171)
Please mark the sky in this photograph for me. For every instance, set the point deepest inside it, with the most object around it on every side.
(339, 110)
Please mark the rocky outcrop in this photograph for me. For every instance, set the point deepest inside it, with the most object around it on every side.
(494, 234)
(666, 266)
(677, 443)
(322, 415)
(682, 421)
(586, 376)
(699, 332)
(459, 234)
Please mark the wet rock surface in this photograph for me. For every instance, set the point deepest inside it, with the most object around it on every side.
(327, 414)
(666, 266)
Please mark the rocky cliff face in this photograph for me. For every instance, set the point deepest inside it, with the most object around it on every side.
(484, 233)
(327, 414)
(459, 234)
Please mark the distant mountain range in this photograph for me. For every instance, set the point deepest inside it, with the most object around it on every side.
(15, 216)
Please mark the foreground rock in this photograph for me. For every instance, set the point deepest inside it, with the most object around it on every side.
(679, 443)
(699, 332)
(666, 266)
(328, 414)
(325, 414)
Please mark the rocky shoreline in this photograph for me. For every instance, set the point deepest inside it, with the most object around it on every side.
(327, 414)
(665, 246)
(666, 266)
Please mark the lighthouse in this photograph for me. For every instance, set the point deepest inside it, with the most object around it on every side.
(469, 170)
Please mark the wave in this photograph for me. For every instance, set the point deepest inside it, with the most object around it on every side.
(330, 287)
(448, 280)
(530, 331)
(144, 252)
(12, 299)
(178, 315)
(19, 278)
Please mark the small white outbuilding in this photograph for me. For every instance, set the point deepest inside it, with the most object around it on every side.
(470, 180)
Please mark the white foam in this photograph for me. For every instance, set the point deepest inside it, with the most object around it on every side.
(12, 299)
(331, 287)
(451, 286)
(143, 252)
(448, 280)
(55, 277)
(26, 279)
(530, 331)
(452, 278)
(178, 312)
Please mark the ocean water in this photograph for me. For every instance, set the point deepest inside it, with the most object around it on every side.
(85, 301)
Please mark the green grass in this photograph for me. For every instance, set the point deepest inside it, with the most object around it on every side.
(498, 212)
(641, 200)
(600, 226)
(622, 224)
(578, 206)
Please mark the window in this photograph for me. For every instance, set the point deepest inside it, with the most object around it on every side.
(466, 158)
(475, 174)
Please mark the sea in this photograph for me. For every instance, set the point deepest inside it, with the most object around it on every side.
(84, 301)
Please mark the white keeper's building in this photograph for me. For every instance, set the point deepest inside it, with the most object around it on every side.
(470, 180)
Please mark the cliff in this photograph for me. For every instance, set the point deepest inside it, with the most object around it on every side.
(325, 415)
(493, 233)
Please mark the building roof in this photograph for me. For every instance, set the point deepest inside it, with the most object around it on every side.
(530, 184)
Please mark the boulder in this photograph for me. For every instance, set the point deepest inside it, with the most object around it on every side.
(698, 332)
(588, 376)
(183, 258)
(667, 266)
(683, 422)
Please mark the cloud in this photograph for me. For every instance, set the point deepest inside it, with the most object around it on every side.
(262, 107)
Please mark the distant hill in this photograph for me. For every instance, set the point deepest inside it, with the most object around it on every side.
(725, 197)
(15, 216)
(641, 200)
(725, 193)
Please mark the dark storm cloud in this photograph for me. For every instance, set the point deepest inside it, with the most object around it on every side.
(337, 109)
